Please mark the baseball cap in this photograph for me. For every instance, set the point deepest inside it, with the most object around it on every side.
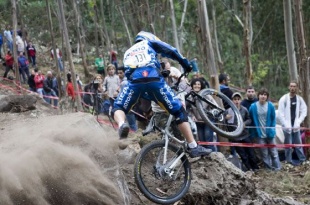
(236, 94)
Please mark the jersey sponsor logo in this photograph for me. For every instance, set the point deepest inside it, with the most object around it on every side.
(145, 73)
(165, 97)
(128, 99)
(137, 56)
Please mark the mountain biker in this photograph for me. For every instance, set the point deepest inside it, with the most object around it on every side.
(146, 81)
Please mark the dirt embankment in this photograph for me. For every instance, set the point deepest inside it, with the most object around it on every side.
(47, 158)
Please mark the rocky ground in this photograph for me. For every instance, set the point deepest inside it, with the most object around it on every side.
(48, 157)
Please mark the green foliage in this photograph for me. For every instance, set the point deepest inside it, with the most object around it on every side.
(261, 72)
(268, 48)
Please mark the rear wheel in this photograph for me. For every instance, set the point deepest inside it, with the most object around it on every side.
(214, 115)
(162, 183)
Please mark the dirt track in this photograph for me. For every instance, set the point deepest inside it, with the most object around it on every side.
(71, 159)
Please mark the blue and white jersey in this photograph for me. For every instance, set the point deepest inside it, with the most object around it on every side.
(140, 55)
(140, 61)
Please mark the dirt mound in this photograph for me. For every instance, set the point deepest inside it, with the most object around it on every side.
(216, 181)
(47, 158)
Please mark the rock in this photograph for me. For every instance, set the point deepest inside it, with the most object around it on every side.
(17, 103)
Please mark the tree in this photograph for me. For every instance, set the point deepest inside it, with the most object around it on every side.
(174, 26)
(96, 30)
(304, 61)
(78, 32)
(14, 19)
(69, 54)
(248, 35)
(207, 42)
(289, 39)
(216, 42)
(54, 47)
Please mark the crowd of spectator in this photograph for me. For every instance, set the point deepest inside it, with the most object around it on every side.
(258, 112)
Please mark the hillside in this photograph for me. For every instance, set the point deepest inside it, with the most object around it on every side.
(58, 159)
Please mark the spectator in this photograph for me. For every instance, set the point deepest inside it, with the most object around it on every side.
(251, 97)
(31, 82)
(49, 91)
(38, 79)
(59, 58)
(263, 115)
(23, 65)
(113, 58)
(205, 134)
(20, 45)
(130, 117)
(9, 38)
(99, 63)
(194, 64)
(70, 88)
(9, 62)
(224, 80)
(91, 90)
(111, 84)
(205, 82)
(292, 112)
(31, 51)
(55, 84)
(246, 154)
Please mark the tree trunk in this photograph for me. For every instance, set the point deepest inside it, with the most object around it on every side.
(69, 54)
(180, 29)
(104, 27)
(247, 35)
(78, 25)
(96, 31)
(163, 20)
(208, 48)
(149, 16)
(126, 26)
(304, 61)
(219, 62)
(61, 93)
(174, 26)
(21, 21)
(14, 52)
(289, 38)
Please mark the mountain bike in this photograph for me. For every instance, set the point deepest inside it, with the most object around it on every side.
(162, 171)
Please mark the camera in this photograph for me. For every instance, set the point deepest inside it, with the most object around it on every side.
(96, 84)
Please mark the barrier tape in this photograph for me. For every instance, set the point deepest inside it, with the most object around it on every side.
(52, 97)
(234, 144)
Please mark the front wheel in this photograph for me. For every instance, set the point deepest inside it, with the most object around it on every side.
(214, 115)
(159, 181)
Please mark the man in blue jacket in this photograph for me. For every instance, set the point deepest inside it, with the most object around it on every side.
(145, 80)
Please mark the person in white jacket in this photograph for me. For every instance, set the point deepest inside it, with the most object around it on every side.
(292, 111)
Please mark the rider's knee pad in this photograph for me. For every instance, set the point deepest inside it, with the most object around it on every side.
(181, 116)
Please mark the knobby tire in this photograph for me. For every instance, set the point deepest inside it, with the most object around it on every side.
(217, 125)
(161, 189)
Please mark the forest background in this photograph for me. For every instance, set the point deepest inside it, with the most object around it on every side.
(245, 39)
